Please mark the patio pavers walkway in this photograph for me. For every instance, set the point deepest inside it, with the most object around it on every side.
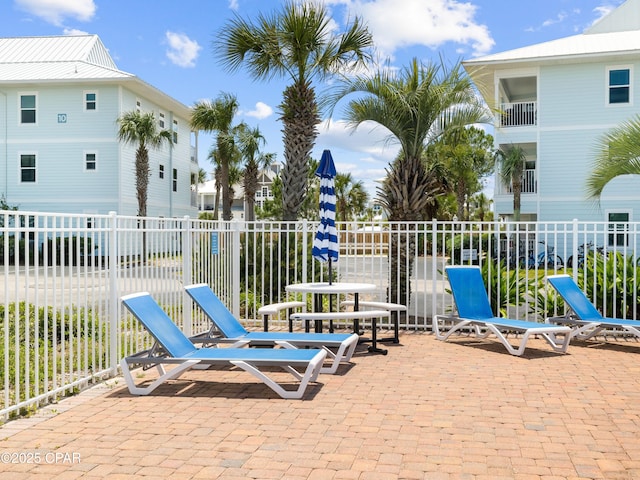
(428, 410)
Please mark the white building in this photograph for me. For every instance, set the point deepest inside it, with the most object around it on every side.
(207, 194)
(556, 100)
(59, 152)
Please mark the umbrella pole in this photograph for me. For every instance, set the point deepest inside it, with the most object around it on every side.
(330, 273)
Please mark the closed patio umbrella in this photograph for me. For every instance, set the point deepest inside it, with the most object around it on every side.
(325, 243)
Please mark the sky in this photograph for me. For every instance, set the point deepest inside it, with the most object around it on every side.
(169, 44)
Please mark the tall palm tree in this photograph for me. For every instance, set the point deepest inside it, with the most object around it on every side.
(511, 161)
(250, 140)
(416, 105)
(297, 42)
(618, 154)
(141, 129)
(216, 117)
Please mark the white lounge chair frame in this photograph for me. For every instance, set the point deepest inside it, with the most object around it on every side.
(474, 313)
(173, 347)
(224, 322)
(582, 316)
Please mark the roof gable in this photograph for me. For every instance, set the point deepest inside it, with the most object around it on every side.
(72, 58)
(618, 33)
(71, 48)
(623, 19)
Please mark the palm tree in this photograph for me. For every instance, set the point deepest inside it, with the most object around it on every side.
(511, 161)
(250, 140)
(216, 117)
(482, 206)
(417, 105)
(217, 177)
(467, 156)
(351, 197)
(142, 129)
(297, 42)
(618, 154)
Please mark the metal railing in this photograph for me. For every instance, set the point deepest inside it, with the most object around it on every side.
(62, 326)
(518, 114)
(529, 184)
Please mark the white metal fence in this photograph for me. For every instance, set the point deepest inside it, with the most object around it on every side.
(62, 327)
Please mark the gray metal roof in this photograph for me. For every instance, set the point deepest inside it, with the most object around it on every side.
(616, 34)
(615, 37)
(576, 46)
(69, 58)
(56, 58)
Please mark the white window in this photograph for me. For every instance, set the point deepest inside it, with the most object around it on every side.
(618, 227)
(27, 167)
(28, 107)
(90, 161)
(619, 83)
(175, 179)
(161, 120)
(138, 106)
(161, 171)
(90, 101)
(175, 131)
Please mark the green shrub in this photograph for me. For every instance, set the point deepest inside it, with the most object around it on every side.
(609, 283)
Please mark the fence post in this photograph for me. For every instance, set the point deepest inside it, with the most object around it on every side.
(187, 275)
(235, 269)
(434, 267)
(114, 306)
(305, 252)
(574, 246)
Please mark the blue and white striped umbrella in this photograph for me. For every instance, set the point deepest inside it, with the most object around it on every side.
(325, 243)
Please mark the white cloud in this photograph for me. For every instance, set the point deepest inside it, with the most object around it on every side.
(364, 152)
(73, 31)
(182, 50)
(233, 4)
(55, 11)
(605, 9)
(262, 110)
(369, 138)
(395, 24)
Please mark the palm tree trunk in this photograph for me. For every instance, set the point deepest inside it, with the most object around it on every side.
(226, 191)
(407, 192)
(142, 187)
(517, 188)
(300, 117)
(401, 258)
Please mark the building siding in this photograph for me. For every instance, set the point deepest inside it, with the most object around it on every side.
(65, 131)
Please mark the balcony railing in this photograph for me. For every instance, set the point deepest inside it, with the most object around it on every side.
(518, 114)
(529, 184)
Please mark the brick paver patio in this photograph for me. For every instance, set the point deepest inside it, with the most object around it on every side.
(428, 410)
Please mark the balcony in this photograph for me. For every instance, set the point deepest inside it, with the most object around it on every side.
(518, 114)
(529, 184)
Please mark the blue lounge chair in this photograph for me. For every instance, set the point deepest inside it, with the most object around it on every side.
(231, 329)
(173, 347)
(474, 310)
(586, 321)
